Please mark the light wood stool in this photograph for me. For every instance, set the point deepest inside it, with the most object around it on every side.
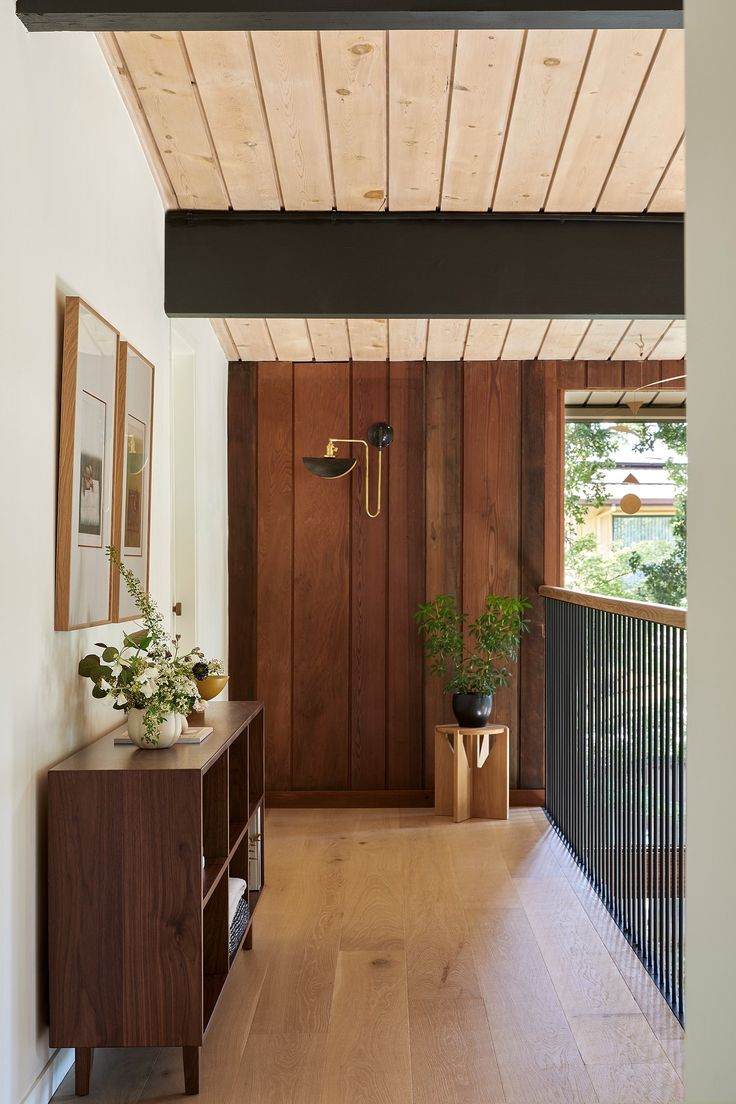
(471, 772)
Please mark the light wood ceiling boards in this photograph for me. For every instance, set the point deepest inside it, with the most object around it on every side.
(441, 339)
(411, 120)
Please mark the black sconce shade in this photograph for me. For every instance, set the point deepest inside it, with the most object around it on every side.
(329, 467)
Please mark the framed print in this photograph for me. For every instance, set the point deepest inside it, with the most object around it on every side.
(86, 461)
(133, 450)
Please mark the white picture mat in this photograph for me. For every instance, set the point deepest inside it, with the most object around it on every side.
(89, 569)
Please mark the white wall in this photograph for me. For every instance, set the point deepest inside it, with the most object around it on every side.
(710, 1055)
(79, 213)
(209, 458)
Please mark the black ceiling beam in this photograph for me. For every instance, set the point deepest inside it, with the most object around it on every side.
(293, 264)
(292, 15)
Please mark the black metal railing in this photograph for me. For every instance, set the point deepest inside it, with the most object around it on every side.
(616, 744)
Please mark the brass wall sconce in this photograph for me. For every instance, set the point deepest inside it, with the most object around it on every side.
(331, 466)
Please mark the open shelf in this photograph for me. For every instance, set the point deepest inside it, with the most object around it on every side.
(238, 785)
(170, 846)
(255, 762)
(237, 832)
(213, 986)
(215, 841)
(212, 872)
(215, 949)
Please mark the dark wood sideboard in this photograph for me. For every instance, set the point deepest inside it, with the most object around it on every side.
(138, 928)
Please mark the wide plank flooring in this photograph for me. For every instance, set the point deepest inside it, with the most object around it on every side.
(402, 959)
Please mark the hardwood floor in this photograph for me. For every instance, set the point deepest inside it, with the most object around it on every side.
(403, 959)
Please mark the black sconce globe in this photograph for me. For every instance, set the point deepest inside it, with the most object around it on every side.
(380, 435)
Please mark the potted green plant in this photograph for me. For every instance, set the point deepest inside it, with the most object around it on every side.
(146, 677)
(472, 657)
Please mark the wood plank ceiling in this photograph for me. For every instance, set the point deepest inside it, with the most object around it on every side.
(508, 121)
(336, 339)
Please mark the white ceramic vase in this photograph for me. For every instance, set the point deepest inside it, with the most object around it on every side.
(168, 732)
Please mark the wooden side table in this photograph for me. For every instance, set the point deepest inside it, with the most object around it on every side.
(471, 772)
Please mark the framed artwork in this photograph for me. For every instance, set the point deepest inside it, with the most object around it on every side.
(86, 462)
(133, 450)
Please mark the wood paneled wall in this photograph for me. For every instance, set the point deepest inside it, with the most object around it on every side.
(323, 598)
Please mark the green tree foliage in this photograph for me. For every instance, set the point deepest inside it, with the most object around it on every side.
(654, 571)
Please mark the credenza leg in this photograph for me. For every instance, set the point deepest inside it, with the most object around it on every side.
(190, 1056)
(82, 1070)
(248, 941)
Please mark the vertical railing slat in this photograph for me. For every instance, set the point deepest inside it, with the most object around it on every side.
(616, 749)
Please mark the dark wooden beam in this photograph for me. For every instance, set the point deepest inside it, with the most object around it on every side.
(190, 15)
(247, 264)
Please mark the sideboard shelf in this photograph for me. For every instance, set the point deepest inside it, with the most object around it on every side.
(139, 937)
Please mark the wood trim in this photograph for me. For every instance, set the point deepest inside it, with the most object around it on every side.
(532, 532)
(526, 799)
(350, 799)
(644, 611)
(67, 443)
(379, 799)
(238, 15)
(242, 538)
(121, 392)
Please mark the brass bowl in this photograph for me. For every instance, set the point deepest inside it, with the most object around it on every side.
(211, 686)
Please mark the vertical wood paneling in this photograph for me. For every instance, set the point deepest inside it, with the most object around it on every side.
(531, 678)
(472, 505)
(554, 428)
(368, 592)
(443, 522)
(242, 436)
(404, 681)
(491, 449)
(275, 563)
(321, 685)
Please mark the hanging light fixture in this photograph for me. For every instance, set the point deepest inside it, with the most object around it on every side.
(331, 466)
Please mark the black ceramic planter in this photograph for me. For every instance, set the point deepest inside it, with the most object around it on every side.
(472, 710)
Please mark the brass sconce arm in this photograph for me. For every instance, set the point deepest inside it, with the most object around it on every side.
(331, 450)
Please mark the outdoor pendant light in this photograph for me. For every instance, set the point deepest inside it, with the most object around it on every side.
(332, 466)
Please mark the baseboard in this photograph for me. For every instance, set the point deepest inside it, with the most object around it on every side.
(50, 1077)
(378, 799)
(526, 799)
(350, 799)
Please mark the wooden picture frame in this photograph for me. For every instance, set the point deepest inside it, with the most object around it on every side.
(86, 507)
(133, 455)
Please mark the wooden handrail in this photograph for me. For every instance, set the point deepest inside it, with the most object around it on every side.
(644, 611)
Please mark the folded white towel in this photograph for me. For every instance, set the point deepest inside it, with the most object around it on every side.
(236, 887)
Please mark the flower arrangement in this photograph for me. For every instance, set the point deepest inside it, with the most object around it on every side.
(199, 667)
(147, 673)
